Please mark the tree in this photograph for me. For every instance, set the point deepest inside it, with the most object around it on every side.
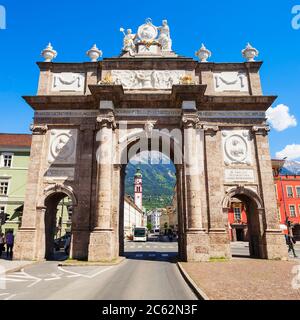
(149, 226)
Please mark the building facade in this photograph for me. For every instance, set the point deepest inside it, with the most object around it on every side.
(91, 118)
(154, 219)
(237, 221)
(133, 216)
(14, 162)
(287, 187)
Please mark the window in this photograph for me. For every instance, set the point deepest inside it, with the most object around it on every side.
(292, 211)
(7, 160)
(290, 193)
(3, 188)
(237, 214)
(298, 191)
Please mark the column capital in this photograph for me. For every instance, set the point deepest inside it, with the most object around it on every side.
(190, 120)
(261, 130)
(210, 129)
(38, 129)
(106, 120)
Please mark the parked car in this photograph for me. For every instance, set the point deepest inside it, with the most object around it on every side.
(60, 243)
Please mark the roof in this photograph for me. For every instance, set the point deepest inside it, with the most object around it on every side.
(15, 140)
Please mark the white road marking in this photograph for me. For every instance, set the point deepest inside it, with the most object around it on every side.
(152, 255)
(75, 274)
(164, 255)
(139, 255)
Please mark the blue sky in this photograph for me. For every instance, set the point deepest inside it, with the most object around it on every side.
(224, 26)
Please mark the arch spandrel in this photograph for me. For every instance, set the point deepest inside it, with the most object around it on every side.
(55, 189)
(242, 191)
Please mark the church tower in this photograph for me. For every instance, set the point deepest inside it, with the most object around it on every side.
(138, 188)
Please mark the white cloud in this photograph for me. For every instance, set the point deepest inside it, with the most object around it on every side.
(150, 157)
(291, 151)
(280, 118)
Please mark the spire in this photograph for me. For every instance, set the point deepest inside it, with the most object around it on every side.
(138, 173)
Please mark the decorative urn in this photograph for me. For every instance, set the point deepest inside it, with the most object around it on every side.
(49, 53)
(250, 53)
(94, 53)
(203, 53)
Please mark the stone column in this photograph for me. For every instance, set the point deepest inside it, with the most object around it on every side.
(27, 242)
(102, 244)
(116, 201)
(196, 237)
(82, 212)
(273, 246)
(214, 168)
(181, 213)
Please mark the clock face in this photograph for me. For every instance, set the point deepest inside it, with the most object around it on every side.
(147, 32)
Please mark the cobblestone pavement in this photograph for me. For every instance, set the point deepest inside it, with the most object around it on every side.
(247, 279)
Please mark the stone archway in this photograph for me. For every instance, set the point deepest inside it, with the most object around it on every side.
(47, 219)
(255, 217)
(174, 153)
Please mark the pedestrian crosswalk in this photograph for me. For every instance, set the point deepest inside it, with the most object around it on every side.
(145, 255)
(135, 246)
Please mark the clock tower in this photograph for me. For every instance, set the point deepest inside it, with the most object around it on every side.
(138, 188)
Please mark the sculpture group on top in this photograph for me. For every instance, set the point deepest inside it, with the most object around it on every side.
(149, 39)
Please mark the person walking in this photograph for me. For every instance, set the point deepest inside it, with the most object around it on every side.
(2, 243)
(290, 240)
(9, 244)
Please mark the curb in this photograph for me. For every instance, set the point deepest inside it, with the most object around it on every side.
(91, 264)
(201, 295)
(19, 268)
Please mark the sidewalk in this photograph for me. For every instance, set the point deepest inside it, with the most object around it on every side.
(245, 279)
(13, 265)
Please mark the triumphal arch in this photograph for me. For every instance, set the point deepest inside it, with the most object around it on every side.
(91, 118)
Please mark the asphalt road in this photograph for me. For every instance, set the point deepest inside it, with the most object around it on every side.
(148, 273)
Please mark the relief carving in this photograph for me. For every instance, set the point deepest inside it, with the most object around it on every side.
(68, 81)
(236, 147)
(62, 149)
(231, 81)
(147, 79)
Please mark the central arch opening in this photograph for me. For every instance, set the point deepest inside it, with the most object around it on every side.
(150, 225)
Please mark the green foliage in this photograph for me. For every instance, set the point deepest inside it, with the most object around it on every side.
(149, 226)
(158, 184)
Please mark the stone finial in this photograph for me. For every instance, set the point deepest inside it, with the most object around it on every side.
(203, 53)
(250, 53)
(49, 53)
(94, 53)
